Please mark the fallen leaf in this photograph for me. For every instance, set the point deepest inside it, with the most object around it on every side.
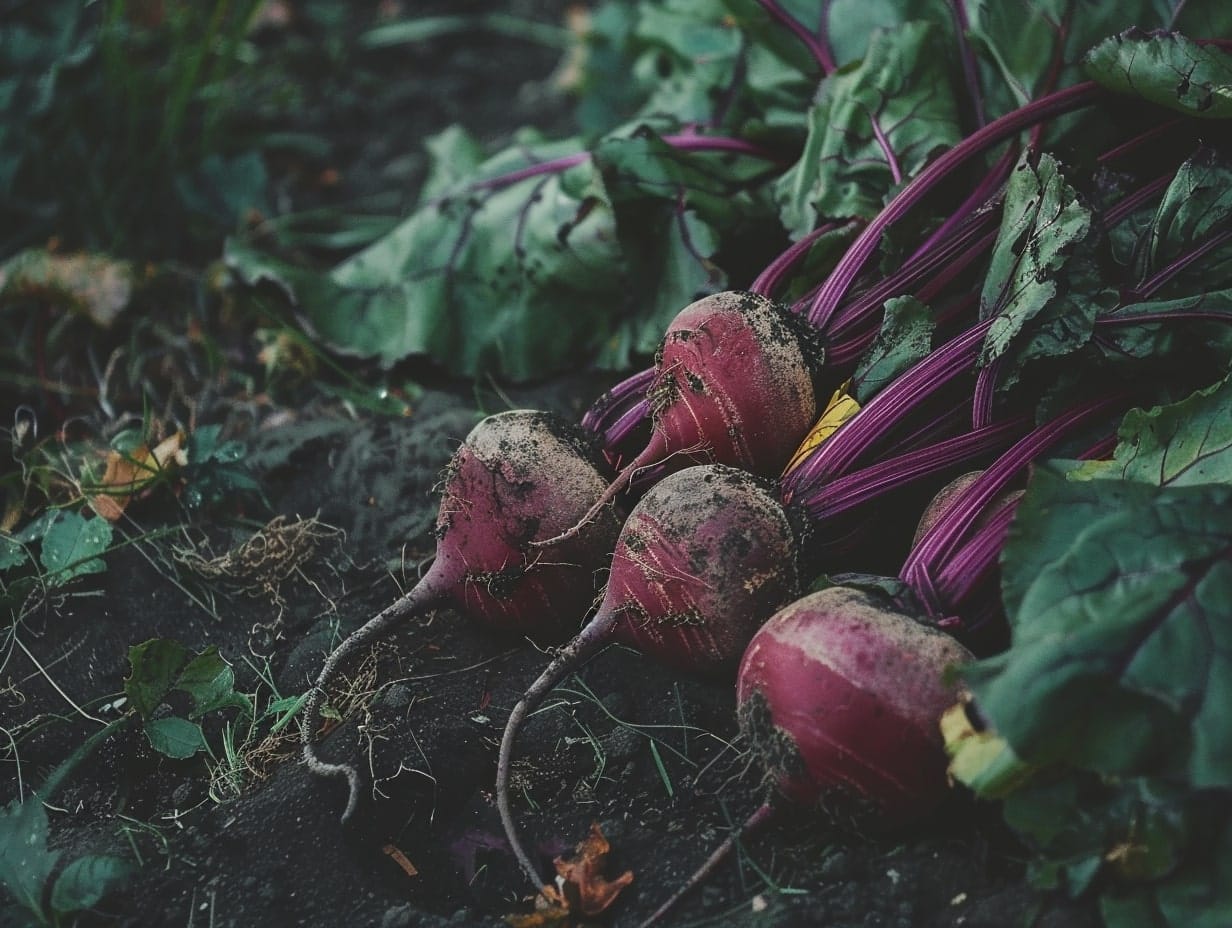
(401, 860)
(581, 880)
(96, 285)
(128, 474)
(581, 889)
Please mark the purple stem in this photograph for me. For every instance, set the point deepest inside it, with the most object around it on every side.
(840, 279)
(946, 534)
(945, 260)
(1152, 285)
(1130, 145)
(1131, 202)
(896, 171)
(985, 393)
(1178, 316)
(623, 427)
(970, 73)
(684, 142)
(961, 575)
(769, 280)
(817, 48)
(984, 191)
(891, 474)
(838, 453)
(612, 406)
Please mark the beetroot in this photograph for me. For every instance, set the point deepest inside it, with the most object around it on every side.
(519, 476)
(733, 384)
(841, 696)
(705, 557)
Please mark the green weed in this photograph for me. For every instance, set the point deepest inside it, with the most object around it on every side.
(123, 131)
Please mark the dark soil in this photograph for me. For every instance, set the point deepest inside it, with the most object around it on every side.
(653, 758)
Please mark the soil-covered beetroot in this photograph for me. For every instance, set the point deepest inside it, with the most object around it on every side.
(704, 558)
(733, 384)
(519, 476)
(841, 696)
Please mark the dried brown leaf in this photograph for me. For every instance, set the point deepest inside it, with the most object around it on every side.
(128, 474)
(582, 882)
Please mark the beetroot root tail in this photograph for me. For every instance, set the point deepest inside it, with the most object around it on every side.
(419, 599)
(590, 639)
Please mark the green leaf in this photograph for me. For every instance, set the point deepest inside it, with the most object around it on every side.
(515, 280)
(1121, 659)
(1048, 517)
(1167, 69)
(1182, 444)
(454, 158)
(12, 552)
(1026, 48)
(642, 166)
(87, 880)
(217, 471)
(210, 681)
(1129, 831)
(1042, 223)
(71, 547)
(175, 737)
(1180, 338)
(675, 251)
(25, 861)
(225, 189)
(852, 23)
(874, 125)
(691, 54)
(156, 666)
(905, 337)
(1197, 895)
(1196, 206)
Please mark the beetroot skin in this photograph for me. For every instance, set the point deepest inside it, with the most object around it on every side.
(733, 385)
(519, 477)
(842, 698)
(702, 561)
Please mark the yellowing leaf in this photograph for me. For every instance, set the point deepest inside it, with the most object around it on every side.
(128, 474)
(96, 285)
(581, 889)
(842, 406)
(980, 759)
(583, 885)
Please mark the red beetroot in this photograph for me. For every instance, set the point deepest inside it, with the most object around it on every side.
(733, 385)
(705, 557)
(841, 696)
(519, 476)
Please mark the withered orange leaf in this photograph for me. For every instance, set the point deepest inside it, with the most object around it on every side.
(582, 882)
(127, 474)
(400, 859)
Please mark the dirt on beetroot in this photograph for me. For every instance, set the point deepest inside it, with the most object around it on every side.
(242, 835)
